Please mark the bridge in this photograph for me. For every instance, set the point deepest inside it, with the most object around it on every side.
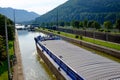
(74, 62)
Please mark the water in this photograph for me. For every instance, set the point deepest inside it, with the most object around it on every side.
(32, 68)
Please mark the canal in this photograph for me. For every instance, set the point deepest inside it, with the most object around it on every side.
(32, 67)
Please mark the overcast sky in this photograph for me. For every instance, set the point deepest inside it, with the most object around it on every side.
(38, 6)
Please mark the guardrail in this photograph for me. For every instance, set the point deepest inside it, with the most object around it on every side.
(61, 64)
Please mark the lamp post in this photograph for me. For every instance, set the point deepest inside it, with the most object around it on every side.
(14, 19)
(57, 18)
(7, 50)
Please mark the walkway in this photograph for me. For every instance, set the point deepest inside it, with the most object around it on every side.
(18, 71)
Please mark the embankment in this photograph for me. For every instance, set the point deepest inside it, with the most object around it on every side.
(109, 51)
(18, 68)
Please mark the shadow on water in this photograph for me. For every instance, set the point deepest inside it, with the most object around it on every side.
(51, 75)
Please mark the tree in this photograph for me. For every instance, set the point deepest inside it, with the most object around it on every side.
(9, 25)
(90, 24)
(108, 25)
(43, 24)
(96, 25)
(85, 23)
(2, 48)
(117, 24)
(2, 25)
(75, 24)
(62, 23)
(51, 24)
(67, 23)
(81, 24)
(11, 32)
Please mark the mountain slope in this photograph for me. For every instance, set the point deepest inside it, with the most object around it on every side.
(20, 15)
(99, 10)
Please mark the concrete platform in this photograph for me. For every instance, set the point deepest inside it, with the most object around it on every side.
(18, 67)
(86, 64)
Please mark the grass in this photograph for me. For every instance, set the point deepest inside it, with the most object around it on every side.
(3, 71)
(4, 67)
(11, 50)
(4, 76)
(91, 40)
(103, 43)
(95, 41)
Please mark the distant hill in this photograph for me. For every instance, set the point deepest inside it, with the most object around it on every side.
(20, 15)
(99, 10)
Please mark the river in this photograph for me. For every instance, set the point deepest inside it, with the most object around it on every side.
(32, 68)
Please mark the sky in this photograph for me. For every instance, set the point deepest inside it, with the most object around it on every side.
(38, 6)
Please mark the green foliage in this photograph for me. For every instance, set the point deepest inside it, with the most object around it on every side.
(101, 30)
(94, 41)
(9, 26)
(43, 24)
(62, 23)
(81, 24)
(108, 25)
(51, 24)
(2, 49)
(81, 37)
(118, 24)
(96, 25)
(3, 56)
(58, 32)
(90, 24)
(75, 24)
(67, 23)
(11, 33)
(76, 36)
(3, 67)
(85, 23)
(79, 10)
(4, 76)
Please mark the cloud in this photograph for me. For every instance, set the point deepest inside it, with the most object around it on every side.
(39, 6)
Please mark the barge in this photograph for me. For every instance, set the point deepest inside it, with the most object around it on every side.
(70, 62)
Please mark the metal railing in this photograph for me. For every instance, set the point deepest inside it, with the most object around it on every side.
(61, 64)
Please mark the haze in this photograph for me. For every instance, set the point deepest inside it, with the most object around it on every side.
(38, 6)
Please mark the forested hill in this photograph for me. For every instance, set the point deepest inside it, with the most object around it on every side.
(20, 15)
(99, 10)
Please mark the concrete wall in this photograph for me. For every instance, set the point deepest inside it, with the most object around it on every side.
(98, 35)
(53, 69)
(109, 51)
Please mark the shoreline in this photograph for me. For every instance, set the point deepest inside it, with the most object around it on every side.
(18, 67)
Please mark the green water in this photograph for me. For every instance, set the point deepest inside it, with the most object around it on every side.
(33, 67)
